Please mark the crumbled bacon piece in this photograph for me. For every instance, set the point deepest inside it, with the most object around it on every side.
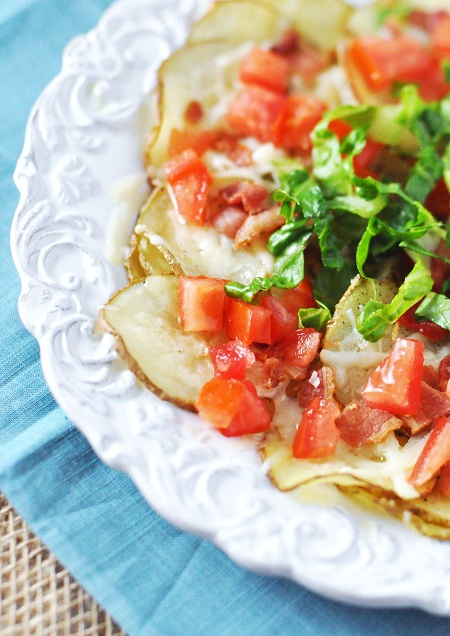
(230, 145)
(320, 383)
(257, 224)
(288, 44)
(426, 20)
(360, 424)
(433, 404)
(252, 197)
(228, 221)
(193, 113)
(272, 373)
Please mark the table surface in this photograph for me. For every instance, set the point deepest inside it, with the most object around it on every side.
(152, 578)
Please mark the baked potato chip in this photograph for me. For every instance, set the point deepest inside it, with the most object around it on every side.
(172, 363)
(194, 250)
(238, 21)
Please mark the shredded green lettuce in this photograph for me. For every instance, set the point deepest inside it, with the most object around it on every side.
(435, 307)
(375, 318)
(356, 223)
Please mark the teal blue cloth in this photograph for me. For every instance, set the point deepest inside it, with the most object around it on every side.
(153, 578)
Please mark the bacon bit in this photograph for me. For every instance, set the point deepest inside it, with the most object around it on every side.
(309, 61)
(431, 376)
(229, 144)
(426, 20)
(433, 404)
(360, 424)
(438, 201)
(251, 196)
(439, 269)
(193, 113)
(319, 384)
(444, 372)
(228, 221)
(288, 44)
(272, 373)
(305, 59)
(257, 224)
(443, 484)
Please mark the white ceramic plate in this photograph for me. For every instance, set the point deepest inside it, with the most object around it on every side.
(84, 136)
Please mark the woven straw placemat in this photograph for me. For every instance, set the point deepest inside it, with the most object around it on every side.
(38, 597)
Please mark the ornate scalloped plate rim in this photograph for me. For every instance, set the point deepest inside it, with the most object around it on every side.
(340, 551)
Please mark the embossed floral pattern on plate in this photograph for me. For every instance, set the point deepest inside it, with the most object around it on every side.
(81, 139)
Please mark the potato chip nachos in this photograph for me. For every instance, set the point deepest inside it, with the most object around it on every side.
(289, 274)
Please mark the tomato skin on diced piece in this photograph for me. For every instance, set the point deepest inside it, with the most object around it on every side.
(254, 112)
(247, 323)
(395, 384)
(382, 61)
(317, 434)
(266, 69)
(282, 321)
(429, 329)
(190, 180)
(435, 453)
(231, 360)
(233, 407)
(201, 303)
(320, 383)
(298, 349)
(300, 297)
(297, 118)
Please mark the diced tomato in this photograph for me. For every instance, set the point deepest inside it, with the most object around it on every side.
(190, 180)
(432, 83)
(435, 453)
(317, 435)
(233, 407)
(231, 360)
(247, 323)
(340, 128)
(197, 140)
(298, 349)
(429, 329)
(440, 38)
(382, 61)
(395, 384)
(300, 297)
(266, 69)
(363, 162)
(360, 424)
(319, 384)
(282, 321)
(297, 118)
(254, 112)
(201, 303)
